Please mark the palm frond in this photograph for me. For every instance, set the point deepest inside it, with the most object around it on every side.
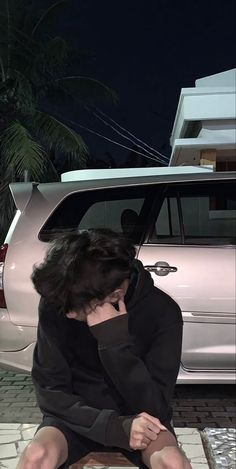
(55, 134)
(2, 70)
(4, 37)
(7, 208)
(49, 61)
(22, 39)
(47, 13)
(17, 48)
(56, 51)
(24, 94)
(86, 89)
(20, 151)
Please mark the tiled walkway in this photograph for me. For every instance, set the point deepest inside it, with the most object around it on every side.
(15, 436)
(195, 407)
(219, 444)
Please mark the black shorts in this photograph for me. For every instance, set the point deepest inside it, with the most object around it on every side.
(79, 446)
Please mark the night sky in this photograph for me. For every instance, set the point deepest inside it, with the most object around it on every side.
(147, 51)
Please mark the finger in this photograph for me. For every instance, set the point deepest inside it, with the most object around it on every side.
(141, 446)
(154, 420)
(152, 427)
(147, 425)
(144, 432)
(105, 311)
(107, 307)
(151, 435)
(146, 441)
(140, 443)
(122, 307)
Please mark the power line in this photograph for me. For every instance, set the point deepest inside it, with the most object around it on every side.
(161, 160)
(132, 135)
(114, 142)
(125, 136)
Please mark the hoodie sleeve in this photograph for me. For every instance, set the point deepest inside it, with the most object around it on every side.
(53, 385)
(145, 384)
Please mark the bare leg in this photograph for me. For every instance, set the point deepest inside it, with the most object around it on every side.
(47, 450)
(163, 453)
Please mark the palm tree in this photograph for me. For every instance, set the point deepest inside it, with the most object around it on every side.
(33, 87)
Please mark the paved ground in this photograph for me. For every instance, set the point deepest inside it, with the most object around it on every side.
(197, 406)
(15, 437)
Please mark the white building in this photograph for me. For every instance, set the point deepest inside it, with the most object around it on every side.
(204, 127)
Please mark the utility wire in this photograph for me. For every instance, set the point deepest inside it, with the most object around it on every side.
(160, 160)
(129, 133)
(125, 136)
(114, 142)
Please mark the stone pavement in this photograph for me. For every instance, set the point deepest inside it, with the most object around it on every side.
(14, 438)
(194, 406)
(202, 410)
(211, 448)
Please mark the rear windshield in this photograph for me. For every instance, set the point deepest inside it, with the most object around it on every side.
(118, 209)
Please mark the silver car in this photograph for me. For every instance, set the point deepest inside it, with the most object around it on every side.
(183, 225)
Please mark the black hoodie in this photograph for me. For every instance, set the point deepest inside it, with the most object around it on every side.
(95, 380)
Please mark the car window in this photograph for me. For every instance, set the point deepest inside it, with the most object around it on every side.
(117, 209)
(197, 214)
(167, 227)
(110, 214)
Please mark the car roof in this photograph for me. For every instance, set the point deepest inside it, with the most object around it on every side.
(82, 185)
(111, 173)
(23, 192)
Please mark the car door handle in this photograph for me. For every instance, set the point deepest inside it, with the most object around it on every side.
(161, 268)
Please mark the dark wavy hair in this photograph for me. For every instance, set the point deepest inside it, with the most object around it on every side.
(82, 267)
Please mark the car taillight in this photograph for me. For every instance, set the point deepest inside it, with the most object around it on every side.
(3, 251)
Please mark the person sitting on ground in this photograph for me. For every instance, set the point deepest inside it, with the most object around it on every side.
(107, 356)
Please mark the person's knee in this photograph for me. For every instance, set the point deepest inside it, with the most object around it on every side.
(36, 454)
(169, 458)
(33, 455)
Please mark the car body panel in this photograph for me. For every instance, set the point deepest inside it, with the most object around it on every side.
(199, 283)
(207, 302)
(203, 285)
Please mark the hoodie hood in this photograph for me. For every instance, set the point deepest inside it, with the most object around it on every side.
(141, 284)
